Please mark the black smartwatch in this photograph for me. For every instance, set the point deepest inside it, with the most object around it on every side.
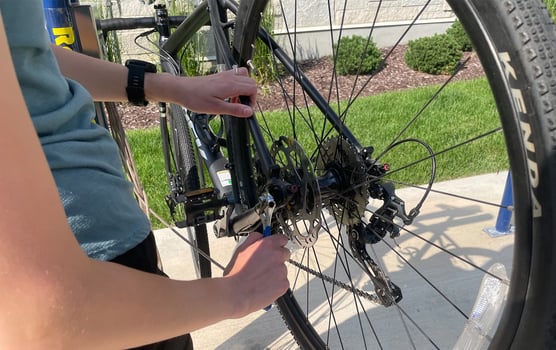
(136, 81)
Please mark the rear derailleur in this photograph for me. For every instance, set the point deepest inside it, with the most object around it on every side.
(387, 292)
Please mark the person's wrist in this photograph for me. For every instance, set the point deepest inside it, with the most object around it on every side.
(163, 87)
(152, 86)
(235, 296)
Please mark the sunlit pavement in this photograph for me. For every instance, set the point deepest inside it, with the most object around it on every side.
(462, 221)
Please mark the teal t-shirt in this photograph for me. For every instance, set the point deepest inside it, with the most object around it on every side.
(83, 157)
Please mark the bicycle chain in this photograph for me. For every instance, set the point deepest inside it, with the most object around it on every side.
(372, 297)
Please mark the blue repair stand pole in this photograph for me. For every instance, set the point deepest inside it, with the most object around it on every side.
(60, 24)
(62, 29)
(504, 220)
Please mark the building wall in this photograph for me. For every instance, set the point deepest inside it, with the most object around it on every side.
(126, 8)
(360, 12)
(313, 24)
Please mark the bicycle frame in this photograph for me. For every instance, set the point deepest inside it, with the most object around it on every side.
(239, 131)
(213, 11)
(244, 195)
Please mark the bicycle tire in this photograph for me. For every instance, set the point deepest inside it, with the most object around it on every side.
(188, 171)
(247, 26)
(515, 42)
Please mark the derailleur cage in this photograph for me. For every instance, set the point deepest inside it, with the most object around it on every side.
(387, 292)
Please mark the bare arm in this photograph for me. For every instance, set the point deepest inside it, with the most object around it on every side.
(53, 296)
(106, 81)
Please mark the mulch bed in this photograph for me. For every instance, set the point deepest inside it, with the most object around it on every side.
(395, 75)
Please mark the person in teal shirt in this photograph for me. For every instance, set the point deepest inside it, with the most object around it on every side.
(70, 227)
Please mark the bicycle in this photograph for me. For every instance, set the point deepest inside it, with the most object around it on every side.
(340, 202)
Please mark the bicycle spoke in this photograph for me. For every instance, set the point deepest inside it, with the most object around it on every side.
(384, 241)
(449, 194)
(395, 45)
(449, 149)
(372, 255)
(193, 245)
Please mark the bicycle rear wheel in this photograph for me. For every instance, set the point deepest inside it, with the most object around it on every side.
(377, 274)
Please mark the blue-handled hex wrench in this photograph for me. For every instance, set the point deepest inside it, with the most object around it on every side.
(267, 204)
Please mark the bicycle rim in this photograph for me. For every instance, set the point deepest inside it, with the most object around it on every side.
(439, 260)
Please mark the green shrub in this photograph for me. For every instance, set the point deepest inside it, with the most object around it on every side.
(268, 67)
(357, 55)
(111, 42)
(437, 54)
(457, 32)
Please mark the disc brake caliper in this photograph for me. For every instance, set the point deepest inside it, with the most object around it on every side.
(382, 220)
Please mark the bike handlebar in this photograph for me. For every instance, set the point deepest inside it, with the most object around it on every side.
(107, 25)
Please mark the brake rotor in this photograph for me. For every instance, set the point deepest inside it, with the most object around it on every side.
(301, 217)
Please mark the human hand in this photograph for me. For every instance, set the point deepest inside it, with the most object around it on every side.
(207, 94)
(258, 272)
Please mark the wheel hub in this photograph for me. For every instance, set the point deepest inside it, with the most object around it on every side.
(349, 198)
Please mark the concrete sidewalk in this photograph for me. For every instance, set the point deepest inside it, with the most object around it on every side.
(460, 221)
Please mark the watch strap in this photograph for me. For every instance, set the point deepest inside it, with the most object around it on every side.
(136, 81)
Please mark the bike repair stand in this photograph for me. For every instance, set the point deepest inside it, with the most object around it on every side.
(72, 26)
(504, 225)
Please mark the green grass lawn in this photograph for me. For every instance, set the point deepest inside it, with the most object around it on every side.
(376, 120)
(147, 153)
